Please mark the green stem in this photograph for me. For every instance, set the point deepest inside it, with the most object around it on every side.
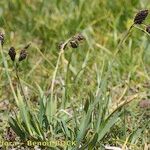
(121, 42)
(142, 30)
(54, 75)
(125, 36)
(66, 80)
(18, 78)
(56, 69)
(6, 71)
(50, 101)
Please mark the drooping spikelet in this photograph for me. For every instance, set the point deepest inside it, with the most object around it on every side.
(140, 16)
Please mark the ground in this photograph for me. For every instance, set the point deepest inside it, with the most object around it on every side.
(94, 92)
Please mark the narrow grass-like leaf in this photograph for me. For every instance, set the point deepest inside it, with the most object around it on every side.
(24, 111)
(36, 126)
(93, 142)
(85, 122)
(109, 122)
(42, 103)
(15, 126)
(65, 129)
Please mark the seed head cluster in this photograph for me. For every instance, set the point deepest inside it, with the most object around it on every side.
(22, 55)
(140, 16)
(73, 42)
(12, 51)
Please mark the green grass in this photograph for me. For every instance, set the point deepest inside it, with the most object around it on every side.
(89, 95)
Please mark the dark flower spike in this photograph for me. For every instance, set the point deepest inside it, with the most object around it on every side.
(74, 43)
(27, 46)
(12, 53)
(140, 16)
(1, 38)
(148, 29)
(80, 37)
(23, 55)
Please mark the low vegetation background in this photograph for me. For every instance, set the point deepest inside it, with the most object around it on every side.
(92, 91)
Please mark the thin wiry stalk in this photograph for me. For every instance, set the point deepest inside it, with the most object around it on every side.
(18, 78)
(56, 68)
(62, 47)
(124, 38)
(51, 87)
(49, 102)
(67, 76)
(6, 70)
(113, 60)
(142, 30)
(120, 43)
(55, 73)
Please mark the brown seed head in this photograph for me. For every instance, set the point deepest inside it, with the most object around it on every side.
(80, 37)
(23, 55)
(148, 29)
(1, 38)
(140, 16)
(27, 46)
(74, 43)
(12, 53)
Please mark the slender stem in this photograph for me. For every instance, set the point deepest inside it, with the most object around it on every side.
(18, 78)
(67, 76)
(142, 30)
(6, 71)
(49, 102)
(56, 69)
(54, 75)
(124, 107)
(125, 36)
(124, 120)
(121, 42)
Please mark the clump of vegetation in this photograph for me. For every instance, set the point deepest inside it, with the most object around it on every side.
(88, 97)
